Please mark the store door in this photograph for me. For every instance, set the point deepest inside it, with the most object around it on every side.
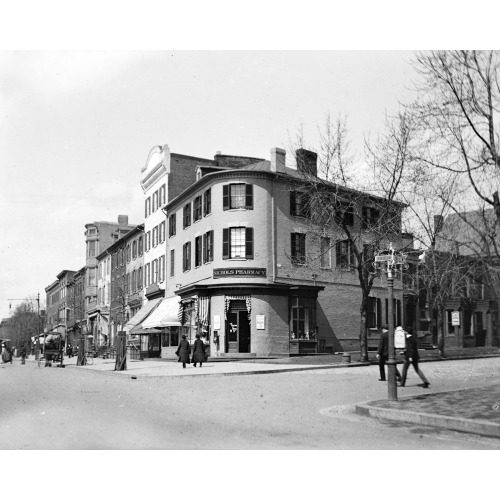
(238, 328)
(154, 345)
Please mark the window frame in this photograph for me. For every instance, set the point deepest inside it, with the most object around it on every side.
(227, 196)
(227, 247)
(298, 248)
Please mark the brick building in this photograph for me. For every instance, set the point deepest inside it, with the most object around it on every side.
(236, 246)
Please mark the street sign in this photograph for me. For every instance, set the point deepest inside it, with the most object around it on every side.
(383, 258)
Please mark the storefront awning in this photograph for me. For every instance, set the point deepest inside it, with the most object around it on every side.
(166, 314)
(141, 314)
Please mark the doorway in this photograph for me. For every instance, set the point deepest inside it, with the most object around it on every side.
(238, 328)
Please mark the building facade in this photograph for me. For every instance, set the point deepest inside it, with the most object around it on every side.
(251, 278)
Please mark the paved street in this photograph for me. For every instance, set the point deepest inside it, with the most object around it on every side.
(81, 408)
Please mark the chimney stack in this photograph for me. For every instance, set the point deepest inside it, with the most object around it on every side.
(307, 162)
(278, 160)
(123, 220)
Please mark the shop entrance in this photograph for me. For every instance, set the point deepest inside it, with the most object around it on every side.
(154, 347)
(238, 328)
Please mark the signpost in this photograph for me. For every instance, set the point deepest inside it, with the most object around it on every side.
(391, 259)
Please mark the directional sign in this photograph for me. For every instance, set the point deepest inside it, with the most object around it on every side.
(383, 258)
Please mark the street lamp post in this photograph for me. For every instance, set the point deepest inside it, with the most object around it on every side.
(391, 259)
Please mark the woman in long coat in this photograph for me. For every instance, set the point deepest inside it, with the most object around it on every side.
(183, 351)
(198, 351)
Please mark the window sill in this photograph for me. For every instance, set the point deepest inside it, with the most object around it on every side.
(237, 209)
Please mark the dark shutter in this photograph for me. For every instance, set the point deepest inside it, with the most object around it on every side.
(293, 203)
(188, 263)
(205, 260)
(379, 313)
(225, 197)
(294, 247)
(249, 243)
(211, 241)
(225, 243)
(249, 197)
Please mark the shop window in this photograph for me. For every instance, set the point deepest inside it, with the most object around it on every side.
(326, 254)
(237, 242)
(170, 336)
(237, 196)
(299, 204)
(186, 218)
(208, 247)
(171, 225)
(207, 202)
(303, 319)
(197, 208)
(298, 248)
(186, 256)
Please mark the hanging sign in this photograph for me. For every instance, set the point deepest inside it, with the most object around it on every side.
(260, 322)
(217, 322)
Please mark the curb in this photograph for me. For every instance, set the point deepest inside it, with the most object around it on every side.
(480, 427)
(125, 373)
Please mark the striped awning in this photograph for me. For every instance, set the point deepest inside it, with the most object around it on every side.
(142, 314)
(166, 314)
(246, 298)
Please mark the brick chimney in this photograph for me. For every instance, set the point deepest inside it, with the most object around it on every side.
(278, 160)
(123, 220)
(307, 162)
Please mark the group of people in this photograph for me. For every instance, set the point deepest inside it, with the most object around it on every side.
(184, 352)
(8, 354)
(410, 353)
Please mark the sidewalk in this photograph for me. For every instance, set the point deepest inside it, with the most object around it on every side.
(475, 411)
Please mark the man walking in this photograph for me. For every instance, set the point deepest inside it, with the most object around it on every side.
(383, 354)
(411, 357)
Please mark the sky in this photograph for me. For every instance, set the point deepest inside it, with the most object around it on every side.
(76, 128)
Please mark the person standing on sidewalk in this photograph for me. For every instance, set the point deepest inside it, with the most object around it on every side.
(23, 354)
(383, 354)
(412, 357)
(198, 351)
(183, 351)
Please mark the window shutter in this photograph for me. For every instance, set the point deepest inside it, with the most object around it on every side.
(293, 203)
(249, 197)
(294, 246)
(379, 313)
(205, 248)
(225, 197)
(225, 243)
(249, 243)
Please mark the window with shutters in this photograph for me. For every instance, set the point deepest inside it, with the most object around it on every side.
(237, 243)
(198, 249)
(186, 219)
(172, 262)
(186, 256)
(344, 255)
(208, 247)
(374, 313)
(326, 253)
(171, 225)
(299, 204)
(298, 248)
(197, 208)
(207, 202)
(237, 196)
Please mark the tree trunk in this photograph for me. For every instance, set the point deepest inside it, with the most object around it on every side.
(363, 341)
(440, 330)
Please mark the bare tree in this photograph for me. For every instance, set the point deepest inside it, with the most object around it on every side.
(342, 206)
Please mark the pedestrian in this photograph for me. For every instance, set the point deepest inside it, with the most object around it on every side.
(183, 351)
(411, 357)
(23, 354)
(198, 351)
(4, 353)
(69, 350)
(383, 354)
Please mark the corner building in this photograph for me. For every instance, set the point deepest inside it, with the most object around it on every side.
(234, 243)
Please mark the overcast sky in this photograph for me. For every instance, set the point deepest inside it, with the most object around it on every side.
(76, 128)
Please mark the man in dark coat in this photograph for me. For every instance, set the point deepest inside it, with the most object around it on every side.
(198, 351)
(412, 357)
(383, 354)
(183, 351)
(23, 354)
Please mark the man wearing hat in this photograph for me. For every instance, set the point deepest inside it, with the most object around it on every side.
(183, 351)
(412, 357)
(383, 353)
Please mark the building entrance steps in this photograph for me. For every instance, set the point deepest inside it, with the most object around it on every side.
(475, 411)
